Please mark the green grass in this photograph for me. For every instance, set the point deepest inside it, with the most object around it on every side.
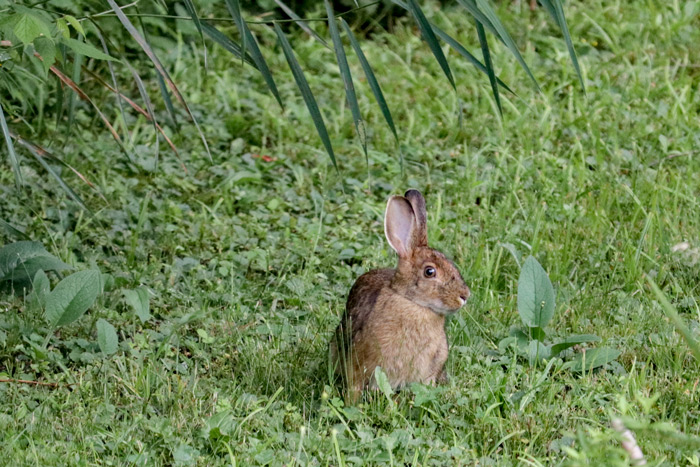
(249, 262)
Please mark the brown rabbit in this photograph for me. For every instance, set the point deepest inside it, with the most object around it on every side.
(395, 318)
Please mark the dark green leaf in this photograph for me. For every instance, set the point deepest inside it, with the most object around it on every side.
(505, 37)
(13, 231)
(106, 337)
(535, 294)
(572, 341)
(593, 358)
(309, 98)
(459, 48)
(21, 260)
(229, 45)
(489, 65)
(347, 77)
(72, 297)
(555, 9)
(14, 161)
(429, 37)
(302, 24)
(371, 79)
(197, 23)
(248, 41)
(471, 7)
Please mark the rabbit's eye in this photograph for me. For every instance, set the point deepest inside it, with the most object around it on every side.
(429, 271)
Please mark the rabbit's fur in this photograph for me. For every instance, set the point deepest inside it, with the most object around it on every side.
(395, 318)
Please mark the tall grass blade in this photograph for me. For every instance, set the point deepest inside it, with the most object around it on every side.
(113, 76)
(14, 161)
(189, 6)
(161, 84)
(471, 7)
(371, 79)
(309, 98)
(459, 48)
(505, 36)
(489, 65)
(229, 45)
(302, 24)
(672, 314)
(250, 42)
(71, 84)
(149, 108)
(556, 10)
(429, 37)
(69, 191)
(347, 77)
(128, 25)
(235, 9)
(77, 64)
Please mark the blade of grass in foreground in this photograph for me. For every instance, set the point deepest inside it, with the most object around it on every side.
(489, 65)
(429, 37)
(347, 77)
(675, 319)
(189, 6)
(371, 79)
(103, 42)
(505, 36)
(309, 98)
(149, 108)
(128, 25)
(459, 48)
(302, 24)
(555, 9)
(14, 161)
(248, 41)
(36, 152)
(225, 42)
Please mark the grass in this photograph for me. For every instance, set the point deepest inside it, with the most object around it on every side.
(248, 260)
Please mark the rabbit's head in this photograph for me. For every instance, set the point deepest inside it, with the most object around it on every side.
(424, 275)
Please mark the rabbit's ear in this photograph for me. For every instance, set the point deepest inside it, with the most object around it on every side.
(400, 225)
(420, 236)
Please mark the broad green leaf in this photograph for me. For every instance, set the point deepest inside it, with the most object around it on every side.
(83, 48)
(21, 261)
(535, 294)
(76, 24)
(347, 77)
(383, 384)
(47, 49)
(40, 287)
(572, 341)
(371, 79)
(488, 11)
(72, 297)
(528, 334)
(14, 161)
(489, 65)
(537, 351)
(28, 27)
(138, 300)
(459, 48)
(309, 98)
(248, 42)
(62, 28)
(593, 358)
(555, 9)
(12, 231)
(429, 37)
(301, 23)
(106, 337)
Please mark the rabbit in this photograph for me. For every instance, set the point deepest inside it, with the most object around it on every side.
(395, 318)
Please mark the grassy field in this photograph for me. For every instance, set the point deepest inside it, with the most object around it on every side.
(248, 259)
